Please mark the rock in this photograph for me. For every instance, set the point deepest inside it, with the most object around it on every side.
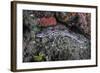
(70, 46)
(79, 21)
(66, 17)
(85, 23)
(41, 14)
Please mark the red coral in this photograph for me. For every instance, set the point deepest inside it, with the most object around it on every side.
(47, 21)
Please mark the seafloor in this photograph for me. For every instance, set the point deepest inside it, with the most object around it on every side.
(56, 36)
